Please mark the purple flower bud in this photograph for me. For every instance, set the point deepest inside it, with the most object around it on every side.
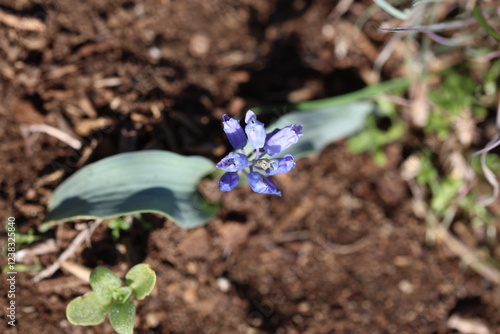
(228, 181)
(262, 185)
(280, 140)
(233, 162)
(255, 130)
(281, 166)
(234, 132)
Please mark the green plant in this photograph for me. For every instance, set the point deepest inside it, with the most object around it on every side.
(457, 94)
(23, 238)
(443, 189)
(373, 139)
(116, 225)
(24, 268)
(446, 192)
(165, 182)
(108, 296)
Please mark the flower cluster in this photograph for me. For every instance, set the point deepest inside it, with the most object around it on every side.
(271, 144)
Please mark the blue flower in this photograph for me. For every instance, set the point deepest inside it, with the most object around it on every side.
(233, 162)
(255, 131)
(280, 140)
(281, 166)
(271, 144)
(234, 132)
(228, 181)
(262, 185)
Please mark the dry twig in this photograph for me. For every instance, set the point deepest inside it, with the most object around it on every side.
(45, 247)
(21, 23)
(437, 232)
(470, 257)
(77, 242)
(77, 270)
(51, 131)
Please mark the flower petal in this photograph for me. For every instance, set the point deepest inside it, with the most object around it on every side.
(250, 115)
(262, 185)
(228, 181)
(282, 139)
(255, 131)
(233, 162)
(281, 166)
(234, 132)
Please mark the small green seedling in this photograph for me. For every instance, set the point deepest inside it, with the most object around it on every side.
(21, 238)
(116, 225)
(109, 296)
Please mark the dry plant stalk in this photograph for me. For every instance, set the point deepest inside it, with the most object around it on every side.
(75, 244)
(21, 23)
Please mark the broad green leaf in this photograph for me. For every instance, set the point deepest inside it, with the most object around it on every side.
(141, 278)
(122, 316)
(127, 183)
(103, 281)
(324, 126)
(86, 310)
(359, 95)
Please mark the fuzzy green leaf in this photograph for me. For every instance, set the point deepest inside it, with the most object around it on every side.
(128, 183)
(103, 281)
(89, 309)
(122, 316)
(122, 294)
(141, 278)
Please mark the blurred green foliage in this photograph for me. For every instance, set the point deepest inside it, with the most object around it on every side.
(443, 189)
(116, 225)
(373, 138)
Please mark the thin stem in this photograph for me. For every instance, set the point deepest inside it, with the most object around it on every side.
(478, 15)
(393, 11)
(54, 132)
(369, 91)
(432, 27)
(73, 247)
(488, 57)
(257, 155)
(251, 166)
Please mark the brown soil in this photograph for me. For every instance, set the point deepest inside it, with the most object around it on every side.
(340, 252)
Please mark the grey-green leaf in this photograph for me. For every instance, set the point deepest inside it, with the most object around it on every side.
(141, 278)
(122, 316)
(86, 310)
(127, 183)
(324, 126)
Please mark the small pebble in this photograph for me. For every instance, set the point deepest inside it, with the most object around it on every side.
(223, 284)
(199, 45)
(154, 52)
(406, 287)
